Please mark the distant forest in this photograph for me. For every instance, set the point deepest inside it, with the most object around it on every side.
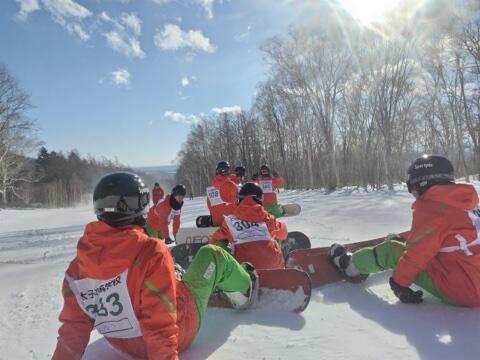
(52, 179)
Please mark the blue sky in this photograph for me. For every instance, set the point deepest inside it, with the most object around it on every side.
(125, 79)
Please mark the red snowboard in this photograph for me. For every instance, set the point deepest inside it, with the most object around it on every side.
(317, 264)
(285, 289)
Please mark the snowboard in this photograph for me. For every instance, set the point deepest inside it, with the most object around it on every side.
(282, 289)
(183, 253)
(317, 263)
(291, 210)
(190, 235)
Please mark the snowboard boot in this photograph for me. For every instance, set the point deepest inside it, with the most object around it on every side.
(242, 301)
(342, 259)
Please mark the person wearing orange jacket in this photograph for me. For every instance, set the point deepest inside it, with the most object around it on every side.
(252, 232)
(123, 283)
(441, 253)
(238, 175)
(157, 193)
(221, 194)
(269, 184)
(166, 211)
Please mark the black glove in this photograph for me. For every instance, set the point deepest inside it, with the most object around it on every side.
(168, 241)
(405, 294)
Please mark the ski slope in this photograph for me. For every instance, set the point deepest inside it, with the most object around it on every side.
(343, 321)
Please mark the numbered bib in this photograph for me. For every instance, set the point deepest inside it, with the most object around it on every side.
(108, 303)
(213, 195)
(245, 231)
(266, 185)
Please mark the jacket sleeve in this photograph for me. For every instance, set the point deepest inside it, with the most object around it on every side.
(278, 229)
(220, 234)
(158, 312)
(176, 224)
(423, 242)
(160, 214)
(74, 333)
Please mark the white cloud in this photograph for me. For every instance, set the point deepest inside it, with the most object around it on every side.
(245, 34)
(120, 77)
(161, 2)
(127, 45)
(124, 37)
(133, 22)
(207, 6)
(26, 7)
(235, 109)
(173, 38)
(182, 118)
(184, 81)
(68, 14)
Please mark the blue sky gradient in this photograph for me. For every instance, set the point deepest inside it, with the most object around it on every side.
(78, 105)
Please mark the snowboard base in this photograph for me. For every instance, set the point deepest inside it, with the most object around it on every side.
(318, 265)
(291, 210)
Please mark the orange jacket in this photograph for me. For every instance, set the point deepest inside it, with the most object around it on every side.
(444, 217)
(252, 233)
(269, 185)
(160, 216)
(221, 198)
(157, 194)
(126, 283)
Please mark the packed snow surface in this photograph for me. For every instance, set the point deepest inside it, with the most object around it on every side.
(343, 321)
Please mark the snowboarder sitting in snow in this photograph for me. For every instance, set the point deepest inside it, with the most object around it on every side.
(160, 215)
(221, 194)
(269, 184)
(252, 231)
(441, 254)
(123, 283)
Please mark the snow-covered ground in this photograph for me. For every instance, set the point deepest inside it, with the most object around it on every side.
(343, 321)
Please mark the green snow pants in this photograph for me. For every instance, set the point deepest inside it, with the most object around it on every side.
(385, 256)
(211, 268)
(274, 209)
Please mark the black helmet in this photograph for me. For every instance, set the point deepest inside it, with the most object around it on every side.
(429, 170)
(179, 190)
(251, 189)
(223, 168)
(121, 198)
(240, 171)
(264, 170)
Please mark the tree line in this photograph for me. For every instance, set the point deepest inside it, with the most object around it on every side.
(52, 179)
(344, 105)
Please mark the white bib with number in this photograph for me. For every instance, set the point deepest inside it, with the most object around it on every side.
(245, 231)
(266, 186)
(213, 195)
(108, 303)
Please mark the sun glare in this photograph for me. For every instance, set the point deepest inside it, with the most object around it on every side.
(369, 11)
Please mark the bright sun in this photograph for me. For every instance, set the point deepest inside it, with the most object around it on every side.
(369, 11)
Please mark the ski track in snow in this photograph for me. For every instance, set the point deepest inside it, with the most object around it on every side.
(343, 321)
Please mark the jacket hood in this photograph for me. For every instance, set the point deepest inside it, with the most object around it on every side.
(104, 251)
(461, 196)
(249, 210)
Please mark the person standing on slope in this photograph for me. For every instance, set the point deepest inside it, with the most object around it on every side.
(161, 215)
(157, 193)
(221, 194)
(252, 231)
(123, 283)
(441, 253)
(238, 175)
(269, 183)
